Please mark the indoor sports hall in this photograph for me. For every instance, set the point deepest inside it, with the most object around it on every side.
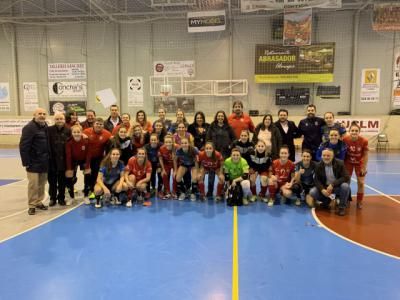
(189, 56)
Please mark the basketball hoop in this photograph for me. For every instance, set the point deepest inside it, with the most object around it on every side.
(165, 90)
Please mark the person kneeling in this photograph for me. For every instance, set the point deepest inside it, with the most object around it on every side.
(331, 181)
(110, 180)
(237, 172)
(137, 176)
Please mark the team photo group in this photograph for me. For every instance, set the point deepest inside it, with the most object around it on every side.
(131, 161)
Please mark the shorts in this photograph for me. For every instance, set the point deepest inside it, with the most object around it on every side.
(262, 173)
(110, 185)
(356, 168)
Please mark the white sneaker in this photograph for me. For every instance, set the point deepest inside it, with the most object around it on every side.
(265, 199)
(117, 202)
(128, 204)
(182, 197)
(245, 201)
(192, 197)
(253, 198)
(298, 202)
(98, 203)
(68, 201)
(270, 202)
(113, 200)
(86, 200)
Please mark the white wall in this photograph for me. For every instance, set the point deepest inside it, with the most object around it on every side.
(113, 52)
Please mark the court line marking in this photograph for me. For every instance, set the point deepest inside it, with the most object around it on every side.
(379, 192)
(349, 240)
(42, 223)
(235, 261)
(14, 214)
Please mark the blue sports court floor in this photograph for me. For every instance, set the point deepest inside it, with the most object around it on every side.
(184, 250)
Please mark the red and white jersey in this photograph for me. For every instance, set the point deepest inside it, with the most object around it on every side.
(139, 171)
(208, 163)
(284, 172)
(166, 155)
(355, 149)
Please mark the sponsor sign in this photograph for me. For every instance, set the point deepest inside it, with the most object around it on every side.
(5, 96)
(184, 68)
(60, 71)
(279, 64)
(368, 126)
(67, 89)
(63, 106)
(370, 83)
(396, 78)
(386, 17)
(204, 21)
(135, 91)
(254, 5)
(12, 126)
(31, 100)
(297, 27)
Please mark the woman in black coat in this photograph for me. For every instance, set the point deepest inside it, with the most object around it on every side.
(221, 134)
(267, 132)
(198, 129)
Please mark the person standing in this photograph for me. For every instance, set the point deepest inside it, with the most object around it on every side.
(270, 135)
(90, 118)
(198, 129)
(58, 135)
(311, 128)
(98, 140)
(114, 119)
(35, 152)
(162, 118)
(221, 134)
(239, 121)
(288, 131)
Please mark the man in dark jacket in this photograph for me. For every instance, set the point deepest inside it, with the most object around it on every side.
(331, 181)
(114, 119)
(288, 131)
(34, 151)
(58, 136)
(310, 128)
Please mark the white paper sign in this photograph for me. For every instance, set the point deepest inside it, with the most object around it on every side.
(12, 126)
(5, 96)
(368, 126)
(58, 71)
(370, 85)
(184, 68)
(135, 91)
(67, 89)
(106, 97)
(31, 99)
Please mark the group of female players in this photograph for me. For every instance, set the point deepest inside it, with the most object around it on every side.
(173, 163)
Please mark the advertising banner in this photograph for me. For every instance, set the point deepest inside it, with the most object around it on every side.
(396, 78)
(31, 99)
(5, 96)
(184, 68)
(60, 71)
(135, 91)
(12, 126)
(279, 64)
(205, 21)
(67, 89)
(386, 17)
(370, 83)
(63, 106)
(255, 5)
(297, 27)
(368, 126)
